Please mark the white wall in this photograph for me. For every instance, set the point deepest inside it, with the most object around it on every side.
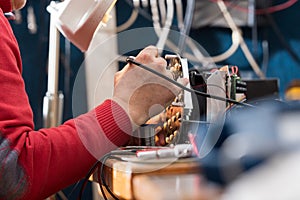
(100, 63)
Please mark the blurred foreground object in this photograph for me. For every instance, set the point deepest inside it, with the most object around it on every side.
(257, 155)
(292, 93)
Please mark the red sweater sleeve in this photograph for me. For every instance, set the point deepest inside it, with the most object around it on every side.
(5, 5)
(36, 164)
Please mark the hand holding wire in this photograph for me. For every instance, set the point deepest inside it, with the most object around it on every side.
(140, 92)
(131, 59)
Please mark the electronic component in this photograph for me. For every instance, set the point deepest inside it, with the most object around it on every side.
(212, 83)
(224, 82)
(169, 130)
(238, 88)
(262, 89)
(178, 151)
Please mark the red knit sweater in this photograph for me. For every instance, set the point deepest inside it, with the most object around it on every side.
(5, 5)
(36, 164)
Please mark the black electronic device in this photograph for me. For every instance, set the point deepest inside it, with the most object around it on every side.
(197, 81)
(262, 89)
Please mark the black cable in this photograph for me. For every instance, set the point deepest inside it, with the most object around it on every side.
(101, 178)
(90, 172)
(131, 60)
(100, 165)
(73, 189)
(102, 181)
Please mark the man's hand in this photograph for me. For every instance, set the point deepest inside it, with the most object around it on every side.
(141, 93)
(18, 4)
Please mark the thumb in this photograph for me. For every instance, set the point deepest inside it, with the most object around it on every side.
(183, 81)
(18, 4)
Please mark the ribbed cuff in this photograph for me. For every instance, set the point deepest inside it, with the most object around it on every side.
(5, 5)
(114, 121)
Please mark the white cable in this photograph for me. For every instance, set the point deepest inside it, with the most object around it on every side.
(243, 44)
(237, 40)
(162, 10)
(223, 56)
(179, 13)
(265, 50)
(155, 17)
(166, 29)
(197, 55)
(145, 3)
(235, 36)
(189, 56)
(188, 18)
(131, 19)
(162, 33)
(157, 27)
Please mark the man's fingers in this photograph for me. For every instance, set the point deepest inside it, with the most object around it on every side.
(152, 50)
(147, 55)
